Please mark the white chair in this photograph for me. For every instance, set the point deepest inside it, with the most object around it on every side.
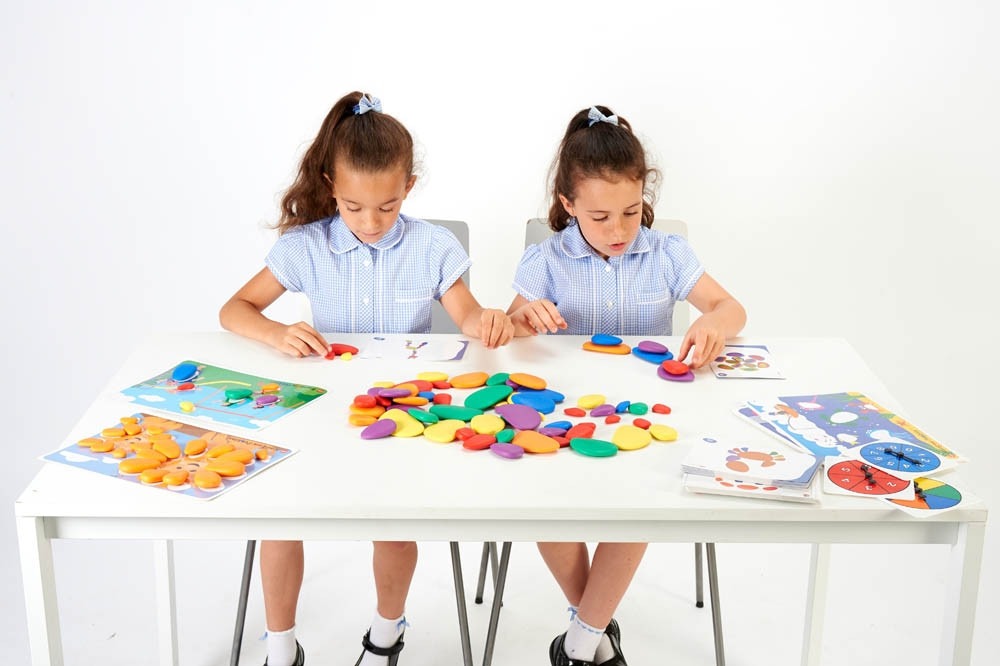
(440, 323)
(536, 231)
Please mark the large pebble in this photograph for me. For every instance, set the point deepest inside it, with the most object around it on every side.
(406, 425)
(605, 339)
(630, 438)
(520, 417)
(505, 450)
(535, 442)
(469, 380)
(537, 402)
(485, 398)
(663, 374)
(526, 380)
(443, 431)
(379, 429)
(595, 448)
(663, 433)
(590, 401)
(652, 358)
(455, 412)
(621, 349)
(487, 424)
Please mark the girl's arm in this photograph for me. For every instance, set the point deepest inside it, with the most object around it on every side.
(242, 314)
(722, 317)
(534, 317)
(493, 327)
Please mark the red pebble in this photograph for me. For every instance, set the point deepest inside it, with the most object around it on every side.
(385, 402)
(641, 423)
(186, 386)
(585, 429)
(478, 442)
(365, 400)
(675, 367)
(574, 411)
(464, 433)
(660, 408)
(563, 442)
(442, 398)
(337, 348)
(421, 384)
(442, 385)
(613, 418)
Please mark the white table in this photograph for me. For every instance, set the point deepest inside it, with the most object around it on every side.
(435, 492)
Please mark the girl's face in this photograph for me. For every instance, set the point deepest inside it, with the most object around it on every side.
(369, 202)
(609, 213)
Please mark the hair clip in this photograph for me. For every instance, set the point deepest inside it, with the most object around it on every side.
(596, 116)
(367, 103)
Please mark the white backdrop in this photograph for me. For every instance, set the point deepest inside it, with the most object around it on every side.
(836, 163)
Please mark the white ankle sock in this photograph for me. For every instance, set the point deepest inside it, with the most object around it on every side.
(281, 647)
(581, 640)
(383, 633)
(604, 650)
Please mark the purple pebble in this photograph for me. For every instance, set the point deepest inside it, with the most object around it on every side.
(520, 417)
(652, 347)
(603, 410)
(394, 392)
(552, 432)
(379, 429)
(663, 374)
(505, 450)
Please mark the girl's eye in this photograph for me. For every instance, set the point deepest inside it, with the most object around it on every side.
(600, 219)
(385, 210)
(354, 210)
(632, 214)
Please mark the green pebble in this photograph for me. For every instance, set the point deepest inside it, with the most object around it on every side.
(455, 412)
(485, 398)
(498, 379)
(638, 408)
(238, 394)
(505, 435)
(422, 416)
(595, 448)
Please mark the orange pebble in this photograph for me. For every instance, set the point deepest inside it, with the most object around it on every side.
(612, 418)
(412, 388)
(150, 454)
(176, 478)
(170, 449)
(226, 467)
(361, 419)
(119, 453)
(469, 380)
(660, 408)
(89, 442)
(526, 380)
(641, 423)
(364, 400)
(195, 447)
(244, 456)
(132, 428)
(217, 451)
(375, 411)
(152, 475)
(137, 465)
(262, 454)
(413, 401)
(207, 479)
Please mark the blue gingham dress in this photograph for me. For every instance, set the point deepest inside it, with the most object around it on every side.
(386, 287)
(633, 294)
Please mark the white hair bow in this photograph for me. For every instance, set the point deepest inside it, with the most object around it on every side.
(367, 103)
(596, 116)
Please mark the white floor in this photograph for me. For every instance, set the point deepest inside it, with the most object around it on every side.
(884, 606)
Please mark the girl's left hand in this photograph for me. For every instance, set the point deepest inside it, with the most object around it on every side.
(708, 341)
(496, 328)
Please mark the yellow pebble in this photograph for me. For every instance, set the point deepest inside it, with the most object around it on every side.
(347, 356)
(443, 431)
(487, 424)
(186, 406)
(413, 400)
(195, 447)
(630, 438)
(406, 425)
(270, 388)
(590, 401)
(663, 433)
(383, 384)
(433, 376)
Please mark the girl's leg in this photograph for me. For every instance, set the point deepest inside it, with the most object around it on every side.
(611, 572)
(393, 563)
(281, 567)
(570, 566)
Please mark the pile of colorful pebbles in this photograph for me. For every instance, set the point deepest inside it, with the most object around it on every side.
(504, 413)
(147, 448)
(647, 350)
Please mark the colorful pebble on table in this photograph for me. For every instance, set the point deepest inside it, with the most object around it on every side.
(505, 413)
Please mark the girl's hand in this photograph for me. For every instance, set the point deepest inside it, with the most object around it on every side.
(539, 316)
(298, 340)
(707, 340)
(496, 328)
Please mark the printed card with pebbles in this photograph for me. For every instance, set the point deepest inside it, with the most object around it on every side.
(745, 362)
(507, 414)
(168, 455)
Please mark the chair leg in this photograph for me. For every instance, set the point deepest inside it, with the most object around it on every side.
(501, 580)
(463, 616)
(713, 591)
(241, 611)
(699, 596)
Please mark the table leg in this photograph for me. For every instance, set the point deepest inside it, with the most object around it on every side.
(962, 586)
(463, 615)
(38, 576)
(166, 606)
(501, 581)
(819, 575)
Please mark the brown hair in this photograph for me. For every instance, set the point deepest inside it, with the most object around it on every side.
(369, 142)
(599, 150)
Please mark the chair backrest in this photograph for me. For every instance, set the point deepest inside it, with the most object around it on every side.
(440, 321)
(538, 230)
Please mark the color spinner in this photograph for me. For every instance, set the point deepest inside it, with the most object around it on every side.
(931, 495)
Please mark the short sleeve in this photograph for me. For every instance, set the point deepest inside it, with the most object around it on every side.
(451, 259)
(286, 258)
(532, 279)
(685, 266)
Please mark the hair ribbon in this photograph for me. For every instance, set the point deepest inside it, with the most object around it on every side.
(367, 103)
(596, 116)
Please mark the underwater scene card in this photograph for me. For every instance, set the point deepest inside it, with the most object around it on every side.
(214, 395)
(719, 485)
(171, 456)
(770, 461)
(745, 362)
(415, 347)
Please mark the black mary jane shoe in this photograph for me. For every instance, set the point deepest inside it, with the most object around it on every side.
(300, 656)
(391, 652)
(558, 656)
(615, 636)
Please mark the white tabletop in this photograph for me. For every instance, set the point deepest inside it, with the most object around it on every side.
(418, 489)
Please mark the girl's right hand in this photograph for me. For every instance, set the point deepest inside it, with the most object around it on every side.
(541, 316)
(298, 340)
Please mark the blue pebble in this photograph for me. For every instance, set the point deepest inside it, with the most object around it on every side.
(605, 339)
(427, 394)
(539, 403)
(554, 396)
(565, 425)
(184, 372)
(622, 406)
(650, 357)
